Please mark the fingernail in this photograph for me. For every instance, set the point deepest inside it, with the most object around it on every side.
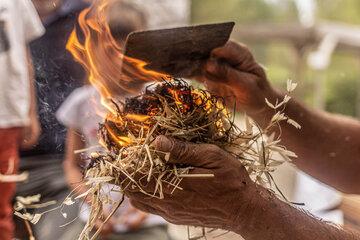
(163, 143)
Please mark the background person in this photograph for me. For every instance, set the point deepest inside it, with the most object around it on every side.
(18, 117)
(238, 204)
(56, 76)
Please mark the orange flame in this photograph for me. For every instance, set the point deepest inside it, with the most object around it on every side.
(109, 70)
(121, 140)
(137, 117)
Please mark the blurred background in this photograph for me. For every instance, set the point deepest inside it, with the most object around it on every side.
(287, 37)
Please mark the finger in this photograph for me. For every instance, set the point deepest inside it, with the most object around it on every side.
(145, 207)
(235, 80)
(133, 181)
(172, 188)
(148, 194)
(186, 153)
(166, 188)
(196, 178)
(223, 72)
(238, 56)
(168, 213)
(233, 52)
(162, 208)
(187, 183)
(155, 187)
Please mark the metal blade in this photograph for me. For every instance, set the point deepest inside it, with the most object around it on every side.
(177, 51)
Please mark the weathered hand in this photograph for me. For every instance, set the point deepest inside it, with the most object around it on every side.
(210, 202)
(233, 72)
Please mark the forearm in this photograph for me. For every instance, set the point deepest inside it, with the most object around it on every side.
(265, 217)
(73, 174)
(327, 145)
(33, 104)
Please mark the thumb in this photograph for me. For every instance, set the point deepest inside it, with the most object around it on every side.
(181, 152)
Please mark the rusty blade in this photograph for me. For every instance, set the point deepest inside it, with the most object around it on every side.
(177, 51)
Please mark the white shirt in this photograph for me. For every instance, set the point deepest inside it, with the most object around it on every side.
(164, 13)
(19, 24)
(82, 111)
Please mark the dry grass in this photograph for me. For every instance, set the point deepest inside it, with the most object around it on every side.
(175, 109)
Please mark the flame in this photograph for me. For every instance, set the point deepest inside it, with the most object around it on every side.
(137, 117)
(113, 74)
(121, 140)
(175, 94)
(114, 118)
(109, 70)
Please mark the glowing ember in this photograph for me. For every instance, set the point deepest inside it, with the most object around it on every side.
(164, 101)
(137, 117)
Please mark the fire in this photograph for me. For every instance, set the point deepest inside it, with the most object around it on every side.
(137, 117)
(111, 72)
(178, 99)
(114, 75)
(121, 140)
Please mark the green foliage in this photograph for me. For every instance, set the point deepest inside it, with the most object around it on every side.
(230, 10)
(347, 11)
(341, 96)
(279, 58)
(343, 84)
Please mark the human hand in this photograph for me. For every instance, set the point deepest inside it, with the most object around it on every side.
(31, 133)
(210, 202)
(233, 72)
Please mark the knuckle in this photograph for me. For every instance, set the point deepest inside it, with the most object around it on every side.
(212, 152)
(233, 45)
(183, 150)
(244, 48)
(180, 150)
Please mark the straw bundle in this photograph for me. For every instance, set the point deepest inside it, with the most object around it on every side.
(174, 108)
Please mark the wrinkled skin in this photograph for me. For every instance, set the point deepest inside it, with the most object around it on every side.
(233, 72)
(230, 200)
(213, 195)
